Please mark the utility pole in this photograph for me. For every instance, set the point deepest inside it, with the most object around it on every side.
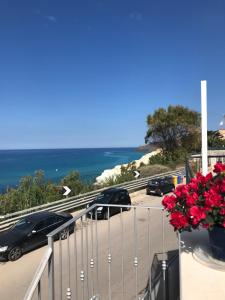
(204, 127)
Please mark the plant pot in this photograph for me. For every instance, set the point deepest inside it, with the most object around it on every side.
(217, 242)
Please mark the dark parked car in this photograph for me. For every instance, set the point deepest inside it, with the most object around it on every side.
(117, 196)
(30, 232)
(159, 186)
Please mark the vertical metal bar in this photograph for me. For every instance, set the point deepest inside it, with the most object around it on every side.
(149, 251)
(109, 256)
(163, 258)
(39, 289)
(122, 251)
(187, 171)
(51, 288)
(68, 292)
(82, 260)
(135, 253)
(179, 241)
(96, 241)
(92, 258)
(60, 267)
(75, 262)
(163, 233)
(87, 258)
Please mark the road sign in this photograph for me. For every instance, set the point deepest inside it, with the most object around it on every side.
(67, 190)
(136, 174)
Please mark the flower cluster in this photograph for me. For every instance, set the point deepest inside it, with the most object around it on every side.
(198, 203)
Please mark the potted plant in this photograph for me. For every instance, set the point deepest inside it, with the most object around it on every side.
(201, 203)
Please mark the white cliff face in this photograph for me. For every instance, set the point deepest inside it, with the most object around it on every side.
(112, 173)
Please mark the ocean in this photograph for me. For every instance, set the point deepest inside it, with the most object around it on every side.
(57, 163)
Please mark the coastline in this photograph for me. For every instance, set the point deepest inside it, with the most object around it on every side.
(112, 173)
(58, 163)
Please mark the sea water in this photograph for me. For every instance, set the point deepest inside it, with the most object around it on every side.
(57, 163)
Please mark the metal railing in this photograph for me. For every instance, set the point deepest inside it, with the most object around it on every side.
(104, 259)
(194, 164)
(77, 202)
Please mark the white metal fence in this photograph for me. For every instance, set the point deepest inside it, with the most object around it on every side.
(103, 259)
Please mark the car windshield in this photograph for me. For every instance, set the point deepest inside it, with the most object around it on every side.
(103, 198)
(154, 182)
(22, 224)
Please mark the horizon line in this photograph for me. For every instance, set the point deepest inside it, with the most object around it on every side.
(69, 148)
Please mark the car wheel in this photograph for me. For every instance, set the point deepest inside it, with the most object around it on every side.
(14, 254)
(161, 194)
(63, 234)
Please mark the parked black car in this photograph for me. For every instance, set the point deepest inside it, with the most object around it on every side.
(117, 196)
(30, 232)
(160, 186)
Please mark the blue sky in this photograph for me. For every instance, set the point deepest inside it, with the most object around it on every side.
(86, 73)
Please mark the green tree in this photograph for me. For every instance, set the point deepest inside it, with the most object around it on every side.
(175, 129)
(215, 139)
(74, 182)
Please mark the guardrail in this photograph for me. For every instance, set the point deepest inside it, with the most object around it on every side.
(79, 201)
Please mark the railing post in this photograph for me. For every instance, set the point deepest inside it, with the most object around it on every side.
(164, 277)
(51, 287)
(164, 256)
(186, 171)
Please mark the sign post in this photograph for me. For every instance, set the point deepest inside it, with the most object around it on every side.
(204, 127)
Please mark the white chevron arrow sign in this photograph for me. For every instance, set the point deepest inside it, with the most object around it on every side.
(136, 174)
(67, 190)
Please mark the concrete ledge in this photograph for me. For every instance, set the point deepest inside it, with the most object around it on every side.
(200, 278)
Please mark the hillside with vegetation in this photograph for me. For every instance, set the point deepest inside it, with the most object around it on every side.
(175, 130)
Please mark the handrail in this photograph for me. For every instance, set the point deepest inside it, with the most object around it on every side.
(78, 201)
(37, 276)
(77, 217)
(188, 169)
(48, 258)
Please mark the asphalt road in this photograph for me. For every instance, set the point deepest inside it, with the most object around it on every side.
(117, 280)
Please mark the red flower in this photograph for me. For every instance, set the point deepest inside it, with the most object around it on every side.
(178, 220)
(199, 203)
(213, 198)
(169, 202)
(197, 213)
(219, 167)
(200, 178)
(222, 186)
(222, 211)
(193, 185)
(191, 199)
(181, 191)
(208, 177)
